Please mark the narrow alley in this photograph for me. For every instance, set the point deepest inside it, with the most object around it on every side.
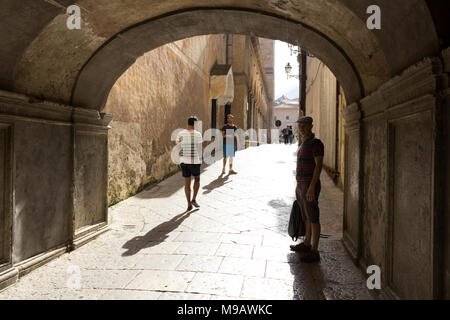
(235, 246)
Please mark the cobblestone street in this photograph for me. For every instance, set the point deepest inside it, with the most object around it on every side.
(235, 246)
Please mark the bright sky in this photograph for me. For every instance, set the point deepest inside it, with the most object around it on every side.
(282, 85)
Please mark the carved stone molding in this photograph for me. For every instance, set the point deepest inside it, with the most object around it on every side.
(68, 146)
(411, 107)
(21, 107)
(352, 115)
(423, 78)
(91, 117)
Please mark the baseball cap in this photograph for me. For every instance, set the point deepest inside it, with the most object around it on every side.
(305, 120)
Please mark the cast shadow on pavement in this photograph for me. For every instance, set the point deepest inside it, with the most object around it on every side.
(219, 182)
(309, 280)
(156, 235)
(166, 187)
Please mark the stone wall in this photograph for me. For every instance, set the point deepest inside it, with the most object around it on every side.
(445, 182)
(252, 88)
(393, 205)
(267, 49)
(324, 102)
(5, 195)
(150, 100)
(53, 180)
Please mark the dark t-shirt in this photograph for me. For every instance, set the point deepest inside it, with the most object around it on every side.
(306, 164)
(228, 127)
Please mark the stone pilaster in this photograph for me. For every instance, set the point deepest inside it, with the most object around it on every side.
(444, 114)
(53, 169)
(401, 211)
(352, 184)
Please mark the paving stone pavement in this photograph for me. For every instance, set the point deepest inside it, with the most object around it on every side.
(234, 247)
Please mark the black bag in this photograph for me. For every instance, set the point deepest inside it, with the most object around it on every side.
(296, 228)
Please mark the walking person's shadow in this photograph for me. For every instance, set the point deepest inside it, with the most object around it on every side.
(220, 181)
(156, 235)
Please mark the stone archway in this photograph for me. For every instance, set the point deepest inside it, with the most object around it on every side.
(114, 34)
(137, 40)
(388, 79)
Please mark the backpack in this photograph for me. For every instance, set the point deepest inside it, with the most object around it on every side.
(296, 227)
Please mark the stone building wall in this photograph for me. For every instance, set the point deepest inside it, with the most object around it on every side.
(325, 106)
(267, 50)
(252, 88)
(287, 116)
(152, 98)
(391, 140)
(287, 111)
(267, 47)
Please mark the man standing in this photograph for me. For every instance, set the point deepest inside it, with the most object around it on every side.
(190, 141)
(230, 142)
(309, 166)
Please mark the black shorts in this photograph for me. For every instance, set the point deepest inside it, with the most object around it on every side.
(190, 170)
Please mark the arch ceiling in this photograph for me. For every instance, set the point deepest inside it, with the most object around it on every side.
(41, 57)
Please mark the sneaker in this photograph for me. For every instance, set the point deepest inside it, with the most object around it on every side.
(195, 204)
(301, 248)
(189, 208)
(223, 171)
(232, 171)
(311, 257)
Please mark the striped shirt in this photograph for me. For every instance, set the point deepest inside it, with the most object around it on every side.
(189, 140)
(310, 148)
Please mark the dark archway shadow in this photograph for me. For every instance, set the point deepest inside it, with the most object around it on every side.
(219, 182)
(156, 235)
(336, 277)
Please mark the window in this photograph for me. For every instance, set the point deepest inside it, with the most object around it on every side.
(213, 113)
(227, 111)
(287, 117)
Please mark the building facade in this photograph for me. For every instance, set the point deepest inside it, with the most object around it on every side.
(252, 60)
(287, 112)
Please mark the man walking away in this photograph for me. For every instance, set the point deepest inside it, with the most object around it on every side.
(190, 161)
(286, 135)
(309, 166)
(291, 134)
(230, 142)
